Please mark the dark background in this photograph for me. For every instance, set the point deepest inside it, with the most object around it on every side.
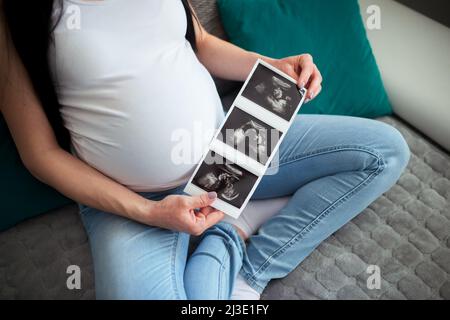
(438, 10)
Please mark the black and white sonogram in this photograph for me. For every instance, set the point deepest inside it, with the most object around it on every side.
(273, 92)
(249, 135)
(231, 182)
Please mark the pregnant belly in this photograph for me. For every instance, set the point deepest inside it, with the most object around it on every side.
(156, 143)
(146, 127)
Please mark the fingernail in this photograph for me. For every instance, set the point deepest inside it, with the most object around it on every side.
(307, 100)
(311, 95)
(212, 195)
(302, 85)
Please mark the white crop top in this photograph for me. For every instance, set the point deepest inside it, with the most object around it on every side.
(139, 105)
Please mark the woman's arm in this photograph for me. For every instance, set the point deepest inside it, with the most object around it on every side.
(44, 158)
(228, 61)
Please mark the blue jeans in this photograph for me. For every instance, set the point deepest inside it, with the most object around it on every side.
(333, 168)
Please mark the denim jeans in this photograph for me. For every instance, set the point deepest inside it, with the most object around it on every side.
(332, 167)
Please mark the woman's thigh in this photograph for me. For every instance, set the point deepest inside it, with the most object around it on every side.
(135, 261)
(320, 145)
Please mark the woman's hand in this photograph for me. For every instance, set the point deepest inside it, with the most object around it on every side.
(188, 214)
(303, 69)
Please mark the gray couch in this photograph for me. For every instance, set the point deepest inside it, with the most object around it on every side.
(405, 232)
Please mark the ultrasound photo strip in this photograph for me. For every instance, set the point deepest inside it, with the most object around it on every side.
(249, 135)
(231, 182)
(272, 92)
(248, 139)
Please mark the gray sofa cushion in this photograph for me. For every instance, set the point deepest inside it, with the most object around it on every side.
(406, 232)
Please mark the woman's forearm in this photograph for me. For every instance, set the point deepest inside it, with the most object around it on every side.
(230, 62)
(224, 59)
(86, 185)
(82, 183)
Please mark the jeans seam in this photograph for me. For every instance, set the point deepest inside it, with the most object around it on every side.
(221, 266)
(252, 279)
(219, 261)
(173, 265)
(322, 151)
(230, 244)
(221, 273)
(82, 209)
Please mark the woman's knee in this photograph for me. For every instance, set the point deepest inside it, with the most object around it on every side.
(229, 235)
(389, 151)
(394, 150)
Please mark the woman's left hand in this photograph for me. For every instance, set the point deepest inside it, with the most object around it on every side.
(303, 69)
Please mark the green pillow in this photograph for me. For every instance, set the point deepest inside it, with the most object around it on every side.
(331, 31)
(21, 195)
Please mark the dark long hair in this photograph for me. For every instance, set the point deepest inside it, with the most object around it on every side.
(31, 29)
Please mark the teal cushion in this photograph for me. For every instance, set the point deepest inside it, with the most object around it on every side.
(331, 31)
(21, 195)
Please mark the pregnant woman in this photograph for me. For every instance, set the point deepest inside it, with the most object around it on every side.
(93, 91)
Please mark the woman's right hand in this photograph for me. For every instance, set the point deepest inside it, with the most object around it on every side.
(190, 214)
